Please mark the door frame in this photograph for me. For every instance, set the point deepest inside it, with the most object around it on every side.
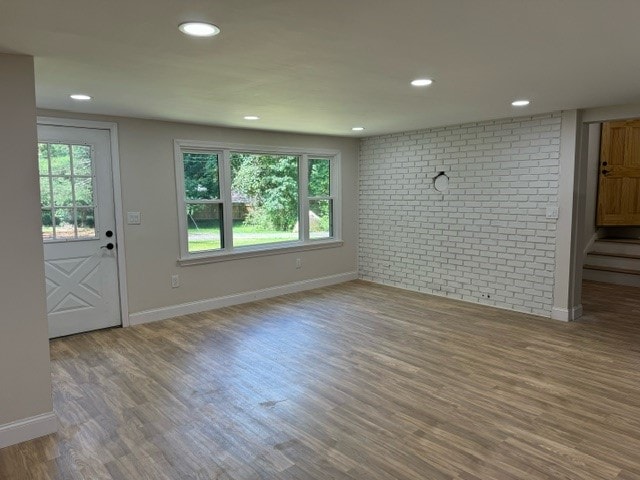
(112, 127)
(578, 166)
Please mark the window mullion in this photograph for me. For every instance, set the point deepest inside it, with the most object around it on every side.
(227, 205)
(303, 198)
(53, 204)
(94, 189)
(202, 201)
(73, 192)
(182, 202)
(335, 194)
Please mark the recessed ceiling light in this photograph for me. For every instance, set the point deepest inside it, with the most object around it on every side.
(199, 29)
(251, 117)
(80, 96)
(357, 129)
(520, 103)
(421, 82)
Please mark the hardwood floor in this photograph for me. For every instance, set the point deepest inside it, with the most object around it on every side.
(356, 381)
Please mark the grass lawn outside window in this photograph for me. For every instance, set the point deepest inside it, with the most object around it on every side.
(205, 235)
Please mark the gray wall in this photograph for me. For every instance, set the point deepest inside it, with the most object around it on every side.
(25, 380)
(148, 186)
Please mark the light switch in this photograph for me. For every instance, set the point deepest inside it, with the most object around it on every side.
(133, 218)
(552, 211)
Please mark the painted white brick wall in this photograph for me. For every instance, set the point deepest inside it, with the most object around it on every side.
(487, 239)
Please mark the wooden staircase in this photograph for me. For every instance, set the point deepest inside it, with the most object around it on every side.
(614, 260)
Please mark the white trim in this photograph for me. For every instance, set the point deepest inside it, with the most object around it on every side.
(336, 195)
(565, 314)
(567, 255)
(117, 203)
(112, 127)
(224, 181)
(228, 300)
(228, 252)
(249, 148)
(180, 194)
(303, 198)
(259, 251)
(28, 429)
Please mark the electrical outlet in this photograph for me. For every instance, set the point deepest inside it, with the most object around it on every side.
(175, 281)
(552, 212)
(298, 263)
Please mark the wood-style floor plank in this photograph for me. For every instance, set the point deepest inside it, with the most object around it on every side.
(355, 381)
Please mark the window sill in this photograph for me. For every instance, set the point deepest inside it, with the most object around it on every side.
(258, 252)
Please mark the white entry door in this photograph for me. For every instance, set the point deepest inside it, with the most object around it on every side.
(78, 229)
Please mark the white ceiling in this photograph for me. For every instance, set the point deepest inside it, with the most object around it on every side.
(324, 66)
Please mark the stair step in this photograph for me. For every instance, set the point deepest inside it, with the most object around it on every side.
(622, 246)
(626, 271)
(615, 275)
(619, 240)
(617, 255)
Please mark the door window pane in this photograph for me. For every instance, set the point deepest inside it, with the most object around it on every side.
(81, 159)
(43, 158)
(47, 224)
(201, 176)
(65, 223)
(264, 190)
(85, 218)
(45, 192)
(60, 159)
(83, 191)
(62, 191)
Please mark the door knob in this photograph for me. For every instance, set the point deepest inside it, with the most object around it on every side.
(604, 172)
(108, 246)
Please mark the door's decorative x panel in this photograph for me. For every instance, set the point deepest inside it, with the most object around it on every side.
(73, 284)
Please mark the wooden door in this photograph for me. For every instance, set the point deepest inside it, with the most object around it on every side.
(619, 185)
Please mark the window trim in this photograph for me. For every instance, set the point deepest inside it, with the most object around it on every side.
(182, 197)
(224, 151)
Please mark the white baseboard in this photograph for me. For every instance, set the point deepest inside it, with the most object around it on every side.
(566, 315)
(156, 314)
(28, 429)
(445, 295)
